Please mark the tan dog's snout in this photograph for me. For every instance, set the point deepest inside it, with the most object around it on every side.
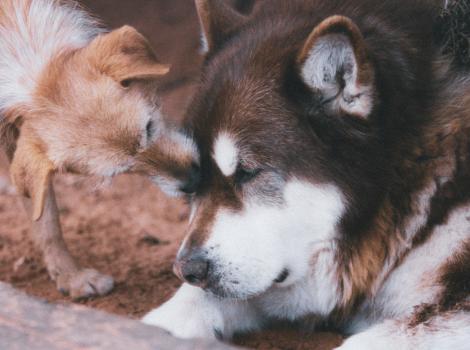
(172, 162)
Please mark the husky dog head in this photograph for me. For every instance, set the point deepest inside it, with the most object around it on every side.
(289, 123)
(282, 123)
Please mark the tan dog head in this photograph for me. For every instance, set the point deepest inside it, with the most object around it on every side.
(95, 111)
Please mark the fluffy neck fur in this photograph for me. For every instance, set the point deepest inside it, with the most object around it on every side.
(32, 33)
(431, 181)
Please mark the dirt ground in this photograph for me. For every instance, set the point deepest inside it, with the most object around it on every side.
(127, 228)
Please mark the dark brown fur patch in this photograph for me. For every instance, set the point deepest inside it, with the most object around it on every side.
(424, 314)
(456, 279)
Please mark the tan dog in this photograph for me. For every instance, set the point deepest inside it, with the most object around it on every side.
(74, 98)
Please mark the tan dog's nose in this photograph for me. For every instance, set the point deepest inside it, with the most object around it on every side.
(194, 271)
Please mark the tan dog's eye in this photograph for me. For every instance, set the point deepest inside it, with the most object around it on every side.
(126, 83)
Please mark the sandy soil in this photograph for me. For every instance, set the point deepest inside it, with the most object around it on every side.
(128, 229)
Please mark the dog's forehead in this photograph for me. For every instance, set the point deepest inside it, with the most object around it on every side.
(241, 112)
(247, 124)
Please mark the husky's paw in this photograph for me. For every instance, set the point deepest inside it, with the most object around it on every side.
(188, 315)
(85, 283)
(187, 324)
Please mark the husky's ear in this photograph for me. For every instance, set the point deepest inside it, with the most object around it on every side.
(31, 172)
(334, 62)
(217, 20)
(125, 55)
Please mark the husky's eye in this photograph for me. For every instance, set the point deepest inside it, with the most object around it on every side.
(243, 175)
(149, 128)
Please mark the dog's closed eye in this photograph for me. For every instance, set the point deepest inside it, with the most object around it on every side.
(244, 175)
(126, 83)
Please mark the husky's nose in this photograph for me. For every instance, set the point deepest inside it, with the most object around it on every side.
(192, 182)
(193, 271)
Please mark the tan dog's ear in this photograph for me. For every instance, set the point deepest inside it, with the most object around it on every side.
(31, 173)
(125, 54)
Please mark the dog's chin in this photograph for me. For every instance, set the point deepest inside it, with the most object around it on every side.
(221, 292)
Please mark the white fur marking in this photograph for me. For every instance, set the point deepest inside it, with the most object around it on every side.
(226, 154)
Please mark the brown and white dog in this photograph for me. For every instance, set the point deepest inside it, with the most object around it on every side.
(75, 98)
(335, 154)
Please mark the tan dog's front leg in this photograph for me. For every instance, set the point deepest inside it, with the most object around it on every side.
(63, 269)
